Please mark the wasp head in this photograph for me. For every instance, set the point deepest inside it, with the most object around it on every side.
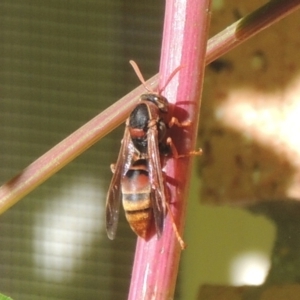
(160, 101)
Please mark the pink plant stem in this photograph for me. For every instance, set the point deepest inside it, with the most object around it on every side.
(184, 44)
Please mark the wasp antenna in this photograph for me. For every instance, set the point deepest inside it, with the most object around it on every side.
(170, 78)
(139, 75)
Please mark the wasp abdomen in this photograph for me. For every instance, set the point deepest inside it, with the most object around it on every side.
(136, 191)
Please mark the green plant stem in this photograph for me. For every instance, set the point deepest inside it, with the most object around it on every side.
(60, 155)
(249, 26)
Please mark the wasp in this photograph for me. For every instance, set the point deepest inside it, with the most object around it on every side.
(138, 181)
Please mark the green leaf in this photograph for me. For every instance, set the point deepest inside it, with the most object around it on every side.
(2, 297)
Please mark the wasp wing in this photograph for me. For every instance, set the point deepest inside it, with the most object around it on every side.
(114, 194)
(158, 195)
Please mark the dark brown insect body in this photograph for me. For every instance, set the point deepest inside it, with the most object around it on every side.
(138, 178)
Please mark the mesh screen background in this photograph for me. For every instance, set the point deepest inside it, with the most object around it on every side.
(61, 63)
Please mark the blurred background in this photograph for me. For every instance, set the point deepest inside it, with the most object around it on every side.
(62, 63)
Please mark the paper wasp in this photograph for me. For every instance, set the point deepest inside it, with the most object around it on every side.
(138, 179)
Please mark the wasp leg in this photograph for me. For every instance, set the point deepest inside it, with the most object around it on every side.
(175, 152)
(178, 236)
(174, 121)
(175, 229)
